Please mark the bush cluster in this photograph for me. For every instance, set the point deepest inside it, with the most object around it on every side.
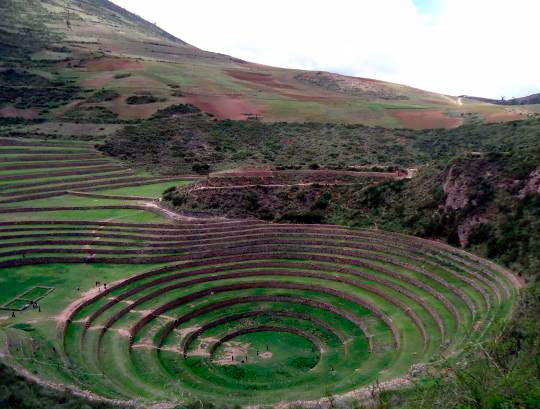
(17, 393)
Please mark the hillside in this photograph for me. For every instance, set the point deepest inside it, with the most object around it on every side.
(184, 229)
(477, 187)
(95, 45)
(528, 100)
(84, 235)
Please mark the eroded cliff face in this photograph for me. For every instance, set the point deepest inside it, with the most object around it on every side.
(471, 187)
(532, 184)
(456, 187)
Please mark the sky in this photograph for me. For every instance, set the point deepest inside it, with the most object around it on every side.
(482, 48)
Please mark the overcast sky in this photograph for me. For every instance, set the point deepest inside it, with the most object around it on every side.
(477, 47)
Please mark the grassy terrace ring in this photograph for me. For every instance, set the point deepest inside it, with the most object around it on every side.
(240, 311)
(261, 313)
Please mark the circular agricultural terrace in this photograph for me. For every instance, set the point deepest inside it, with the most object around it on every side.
(240, 311)
(252, 312)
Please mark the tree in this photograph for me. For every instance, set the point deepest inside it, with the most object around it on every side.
(68, 23)
(201, 168)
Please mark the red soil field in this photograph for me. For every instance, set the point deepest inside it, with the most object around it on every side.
(433, 101)
(224, 106)
(505, 116)
(424, 119)
(98, 81)
(113, 64)
(312, 98)
(258, 78)
(10, 112)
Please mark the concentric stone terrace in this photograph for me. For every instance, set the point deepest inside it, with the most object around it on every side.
(238, 311)
(261, 313)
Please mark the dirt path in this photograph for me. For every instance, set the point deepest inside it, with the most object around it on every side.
(79, 392)
(454, 100)
(271, 185)
(157, 207)
(363, 394)
(409, 175)
(113, 197)
(64, 315)
(233, 352)
(238, 173)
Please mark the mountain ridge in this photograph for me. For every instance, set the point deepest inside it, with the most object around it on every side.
(532, 99)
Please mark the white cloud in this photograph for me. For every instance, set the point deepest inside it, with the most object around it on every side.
(476, 47)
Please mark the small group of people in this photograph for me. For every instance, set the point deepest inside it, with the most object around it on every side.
(32, 304)
(98, 284)
(246, 358)
(35, 305)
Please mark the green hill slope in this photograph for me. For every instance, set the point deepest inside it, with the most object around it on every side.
(96, 44)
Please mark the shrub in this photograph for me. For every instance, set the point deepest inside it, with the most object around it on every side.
(305, 217)
(121, 75)
(251, 201)
(175, 110)
(92, 114)
(178, 200)
(143, 99)
(201, 168)
(177, 94)
(103, 95)
(18, 393)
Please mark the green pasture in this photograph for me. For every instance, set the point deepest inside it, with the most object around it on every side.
(59, 180)
(150, 190)
(43, 172)
(128, 216)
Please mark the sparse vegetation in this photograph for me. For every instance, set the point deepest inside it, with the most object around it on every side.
(177, 109)
(17, 392)
(501, 373)
(23, 90)
(122, 75)
(143, 99)
(92, 114)
(103, 95)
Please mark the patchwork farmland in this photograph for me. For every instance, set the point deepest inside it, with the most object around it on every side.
(139, 303)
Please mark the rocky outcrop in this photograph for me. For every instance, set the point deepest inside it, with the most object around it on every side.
(456, 188)
(532, 184)
(468, 188)
(356, 86)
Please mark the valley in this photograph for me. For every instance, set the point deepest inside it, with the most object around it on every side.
(185, 229)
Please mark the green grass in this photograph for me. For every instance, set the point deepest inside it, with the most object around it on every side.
(64, 278)
(34, 172)
(150, 190)
(66, 201)
(128, 216)
(36, 293)
(380, 106)
(221, 376)
(60, 180)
